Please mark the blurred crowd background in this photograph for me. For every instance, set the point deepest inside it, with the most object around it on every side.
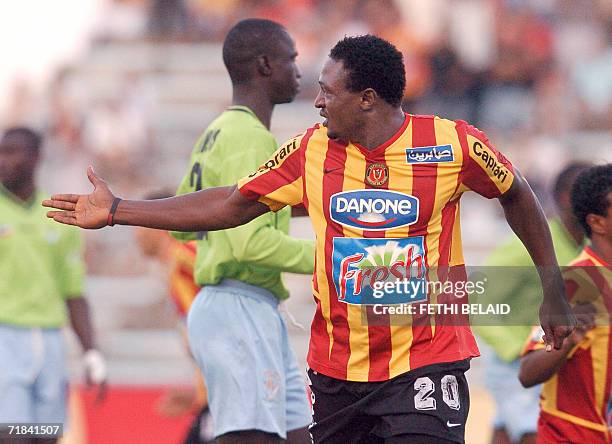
(128, 85)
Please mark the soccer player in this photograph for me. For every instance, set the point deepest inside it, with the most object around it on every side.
(236, 315)
(517, 409)
(41, 281)
(382, 190)
(576, 402)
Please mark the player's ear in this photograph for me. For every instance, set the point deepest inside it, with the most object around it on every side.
(368, 98)
(597, 223)
(263, 65)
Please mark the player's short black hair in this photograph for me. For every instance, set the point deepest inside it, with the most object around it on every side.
(372, 63)
(247, 40)
(32, 138)
(566, 177)
(590, 194)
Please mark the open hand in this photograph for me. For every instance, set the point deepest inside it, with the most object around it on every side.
(83, 210)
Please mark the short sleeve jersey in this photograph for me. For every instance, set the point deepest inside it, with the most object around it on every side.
(377, 213)
(40, 264)
(576, 403)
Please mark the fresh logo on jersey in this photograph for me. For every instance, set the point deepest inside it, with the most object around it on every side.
(430, 154)
(374, 209)
(359, 263)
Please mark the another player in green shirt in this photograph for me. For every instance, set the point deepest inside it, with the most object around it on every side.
(41, 281)
(233, 145)
(256, 391)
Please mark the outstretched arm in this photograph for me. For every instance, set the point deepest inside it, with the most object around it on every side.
(207, 210)
(526, 218)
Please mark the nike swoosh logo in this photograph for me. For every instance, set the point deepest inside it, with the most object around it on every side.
(330, 170)
(451, 424)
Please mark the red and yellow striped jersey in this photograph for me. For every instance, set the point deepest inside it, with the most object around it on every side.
(183, 289)
(378, 214)
(575, 404)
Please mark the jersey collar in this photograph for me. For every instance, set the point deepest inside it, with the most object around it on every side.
(588, 250)
(381, 148)
(244, 109)
(27, 204)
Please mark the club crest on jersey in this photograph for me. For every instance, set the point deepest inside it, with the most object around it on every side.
(377, 174)
(361, 265)
(374, 209)
(430, 154)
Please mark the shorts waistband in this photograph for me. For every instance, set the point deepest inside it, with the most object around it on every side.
(248, 290)
(25, 329)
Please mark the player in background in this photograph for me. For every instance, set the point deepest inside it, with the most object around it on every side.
(235, 320)
(41, 286)
(517, 409)
(381, 187)
(576, 401)
(178, 259)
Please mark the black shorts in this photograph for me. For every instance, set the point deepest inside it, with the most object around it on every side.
(432, 400)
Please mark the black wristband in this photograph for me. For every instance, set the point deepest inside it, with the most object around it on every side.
(111, 214)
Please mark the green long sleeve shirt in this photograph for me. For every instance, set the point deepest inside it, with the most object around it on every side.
(233, 146)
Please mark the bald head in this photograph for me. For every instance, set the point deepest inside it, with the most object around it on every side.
(248, 40)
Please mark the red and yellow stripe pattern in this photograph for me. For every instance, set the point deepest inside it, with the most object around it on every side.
(183, 289)
(349, 341)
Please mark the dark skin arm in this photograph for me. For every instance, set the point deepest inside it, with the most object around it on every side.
(225, 207)
(539, 366)
(78, 310)
(526, 218)
(208, 210)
